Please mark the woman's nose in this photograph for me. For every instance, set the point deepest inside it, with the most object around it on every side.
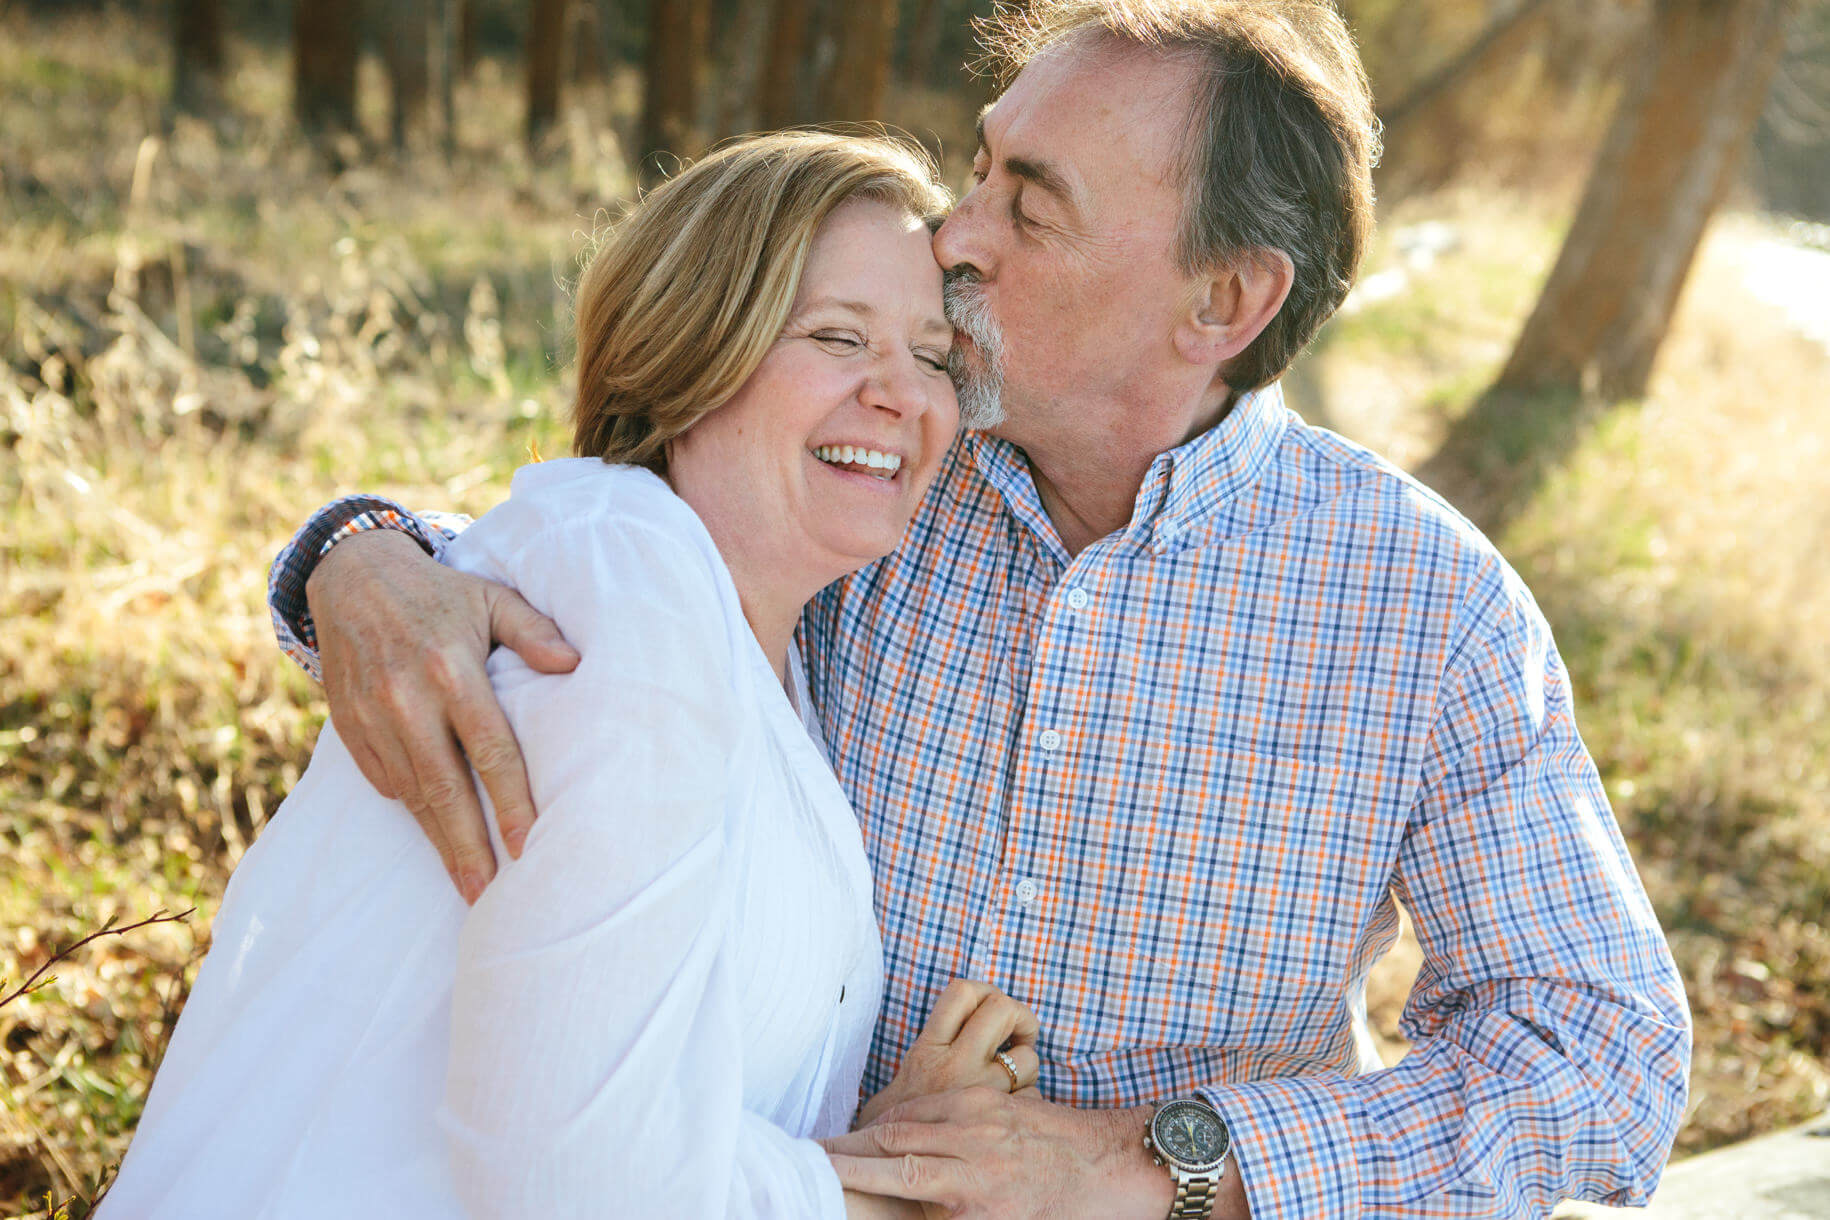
(896, 386)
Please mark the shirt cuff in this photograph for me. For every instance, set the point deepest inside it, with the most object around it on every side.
(1293, 1142)
(292, 622)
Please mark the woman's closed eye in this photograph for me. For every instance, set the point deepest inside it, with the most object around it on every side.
(840, 340)
(934, 359)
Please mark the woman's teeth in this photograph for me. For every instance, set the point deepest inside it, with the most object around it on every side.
(883, 465)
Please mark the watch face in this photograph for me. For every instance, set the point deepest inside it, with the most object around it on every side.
(1191, 1134)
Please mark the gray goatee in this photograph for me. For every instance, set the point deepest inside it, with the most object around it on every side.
(978, 378)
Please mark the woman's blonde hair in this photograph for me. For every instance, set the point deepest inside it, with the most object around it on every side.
(686, 294)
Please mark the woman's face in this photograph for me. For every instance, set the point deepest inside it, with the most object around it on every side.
(817, 463)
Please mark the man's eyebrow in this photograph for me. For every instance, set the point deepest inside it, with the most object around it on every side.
(1041, 173)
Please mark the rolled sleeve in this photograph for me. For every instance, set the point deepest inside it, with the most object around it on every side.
(293, 627)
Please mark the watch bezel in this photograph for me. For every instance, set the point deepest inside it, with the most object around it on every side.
(1226, 1136)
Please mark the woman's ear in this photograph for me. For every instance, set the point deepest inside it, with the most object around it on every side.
(1230, 306)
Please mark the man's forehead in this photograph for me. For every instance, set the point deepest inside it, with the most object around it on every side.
(1095, 104)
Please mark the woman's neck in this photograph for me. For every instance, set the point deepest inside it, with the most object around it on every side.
(772, 609)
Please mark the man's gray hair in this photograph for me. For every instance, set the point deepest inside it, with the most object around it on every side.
(1281, 147)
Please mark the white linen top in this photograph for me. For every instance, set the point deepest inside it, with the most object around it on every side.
(649, 1014)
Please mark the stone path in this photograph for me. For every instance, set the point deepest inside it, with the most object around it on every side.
(1776, 1177)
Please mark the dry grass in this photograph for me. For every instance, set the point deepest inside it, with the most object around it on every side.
(207, 334)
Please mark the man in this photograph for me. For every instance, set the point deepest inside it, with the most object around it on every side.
(1165, 699)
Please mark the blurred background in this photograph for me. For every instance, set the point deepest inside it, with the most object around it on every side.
(255, 255)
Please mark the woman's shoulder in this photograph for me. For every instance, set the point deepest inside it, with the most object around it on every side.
(583, 491)
(568, 502)
(587, 532)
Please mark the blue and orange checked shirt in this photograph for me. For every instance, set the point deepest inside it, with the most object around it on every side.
(1168, 791)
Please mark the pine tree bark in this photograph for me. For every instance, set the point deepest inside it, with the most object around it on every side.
(196, 54)
(1671, 154)
(778, 94)
(854, 87)
(324, 46)
(545, 46)
(677, 37)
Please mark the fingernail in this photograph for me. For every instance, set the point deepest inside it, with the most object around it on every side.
(514, 840)
(470, 885)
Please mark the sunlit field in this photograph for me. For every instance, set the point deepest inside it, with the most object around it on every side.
(207, 334)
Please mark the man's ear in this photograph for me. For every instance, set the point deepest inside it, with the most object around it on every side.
(1230, 306)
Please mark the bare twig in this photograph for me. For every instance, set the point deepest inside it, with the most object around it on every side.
(108, 929)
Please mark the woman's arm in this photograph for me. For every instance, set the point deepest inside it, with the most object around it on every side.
(595, 1066)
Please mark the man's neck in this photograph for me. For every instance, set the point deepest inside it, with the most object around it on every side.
(1089, 488)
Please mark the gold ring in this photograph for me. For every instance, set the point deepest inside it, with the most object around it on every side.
(1016, 1081)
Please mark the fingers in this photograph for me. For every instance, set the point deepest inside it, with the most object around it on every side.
(956, 1003)
(997, 1020)
(1028, 1065)
(444, 802)
(489, 743)
(949, 1126)
(929, 1179)
(529, 634)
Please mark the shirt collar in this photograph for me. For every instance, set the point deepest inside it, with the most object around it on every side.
(1184, 485)
(1190, 483)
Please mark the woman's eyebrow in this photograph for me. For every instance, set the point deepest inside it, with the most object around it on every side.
(861, 308)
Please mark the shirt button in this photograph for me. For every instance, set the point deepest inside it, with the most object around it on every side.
(1026, 891)
(1049, 740)
(1077, 598)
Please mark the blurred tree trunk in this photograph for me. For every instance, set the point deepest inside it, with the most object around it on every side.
(450, 17)
(324, 34)
(466, 36)
(404, 27)
(739, 48)
(783, 65)
(1459, 66)
(924, 43)
(1670, 156)
(677, 32)
(196, 54)
(584, 44)
(545, 43)
(854, 87)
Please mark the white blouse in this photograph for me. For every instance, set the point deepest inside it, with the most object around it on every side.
(649, 1014)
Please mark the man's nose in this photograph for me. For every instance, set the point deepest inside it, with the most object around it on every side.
(957, 243)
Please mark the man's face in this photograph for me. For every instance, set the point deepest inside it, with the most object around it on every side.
(1070, 233)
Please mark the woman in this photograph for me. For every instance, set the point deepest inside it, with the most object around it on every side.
(653, 1010)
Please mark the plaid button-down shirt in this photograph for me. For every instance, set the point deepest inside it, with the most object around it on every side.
(1167, 790)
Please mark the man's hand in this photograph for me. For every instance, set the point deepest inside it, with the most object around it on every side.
(980, 1154)
(403, 641)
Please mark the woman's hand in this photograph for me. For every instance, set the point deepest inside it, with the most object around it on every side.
(957, 1048)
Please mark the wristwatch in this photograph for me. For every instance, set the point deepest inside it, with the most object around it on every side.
(1188, 1138)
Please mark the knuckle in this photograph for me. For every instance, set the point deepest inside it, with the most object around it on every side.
(469, 858)
(442, 792)
(394, 691)
(450, 670)
(913, 1172)
(493, 753)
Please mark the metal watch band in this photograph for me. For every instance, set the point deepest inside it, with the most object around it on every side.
(1194, 1196)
